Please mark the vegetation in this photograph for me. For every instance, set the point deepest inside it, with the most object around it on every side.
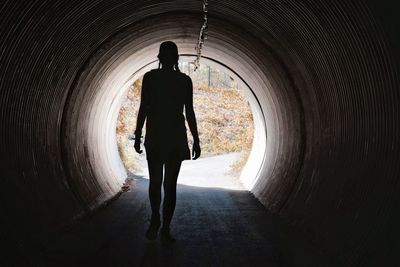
(224, 118)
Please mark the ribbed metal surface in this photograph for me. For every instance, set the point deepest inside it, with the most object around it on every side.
(322, 70)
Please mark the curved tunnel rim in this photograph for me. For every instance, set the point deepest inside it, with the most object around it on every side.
(87, 64)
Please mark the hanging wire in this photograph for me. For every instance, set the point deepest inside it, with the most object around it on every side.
(202, 36)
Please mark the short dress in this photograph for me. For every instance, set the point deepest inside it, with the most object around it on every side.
(164, 95)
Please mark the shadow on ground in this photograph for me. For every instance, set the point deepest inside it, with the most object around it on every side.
(213, 227)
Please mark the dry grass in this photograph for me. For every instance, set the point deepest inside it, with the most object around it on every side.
(224, 120)
(126, 125)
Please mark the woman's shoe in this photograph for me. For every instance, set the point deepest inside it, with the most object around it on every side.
(165, 236)
(152, 231)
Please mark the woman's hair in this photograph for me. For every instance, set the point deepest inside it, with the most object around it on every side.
(168, 54)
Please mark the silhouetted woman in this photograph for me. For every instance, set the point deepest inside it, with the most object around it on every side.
(166, 92)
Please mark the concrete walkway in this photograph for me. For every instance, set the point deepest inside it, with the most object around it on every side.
(211, 172)
(213, 227)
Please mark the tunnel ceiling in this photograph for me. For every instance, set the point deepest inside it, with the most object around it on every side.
(324, 73)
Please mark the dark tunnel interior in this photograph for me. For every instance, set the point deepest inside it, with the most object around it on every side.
(324, 73)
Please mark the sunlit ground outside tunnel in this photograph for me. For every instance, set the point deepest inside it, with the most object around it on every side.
(225, 124)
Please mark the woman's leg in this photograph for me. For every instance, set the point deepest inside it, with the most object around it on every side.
(156, 177)
(172, 168)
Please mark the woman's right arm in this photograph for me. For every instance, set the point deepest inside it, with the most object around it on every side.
(142, 114)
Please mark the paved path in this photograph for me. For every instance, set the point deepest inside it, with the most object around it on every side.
(213, 227)
(214, 172)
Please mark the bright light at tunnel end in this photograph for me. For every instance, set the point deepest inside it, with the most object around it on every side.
(217, 176)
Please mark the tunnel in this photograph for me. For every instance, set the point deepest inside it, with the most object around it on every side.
(322, 76)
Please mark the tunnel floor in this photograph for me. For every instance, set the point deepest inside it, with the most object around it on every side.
(213, 227)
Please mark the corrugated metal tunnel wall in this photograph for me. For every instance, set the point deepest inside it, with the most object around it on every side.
(324, 73)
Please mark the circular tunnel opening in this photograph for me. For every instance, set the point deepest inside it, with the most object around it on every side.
(230, 122)
(131, 53)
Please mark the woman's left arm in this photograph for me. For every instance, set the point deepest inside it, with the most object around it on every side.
(191, 119)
